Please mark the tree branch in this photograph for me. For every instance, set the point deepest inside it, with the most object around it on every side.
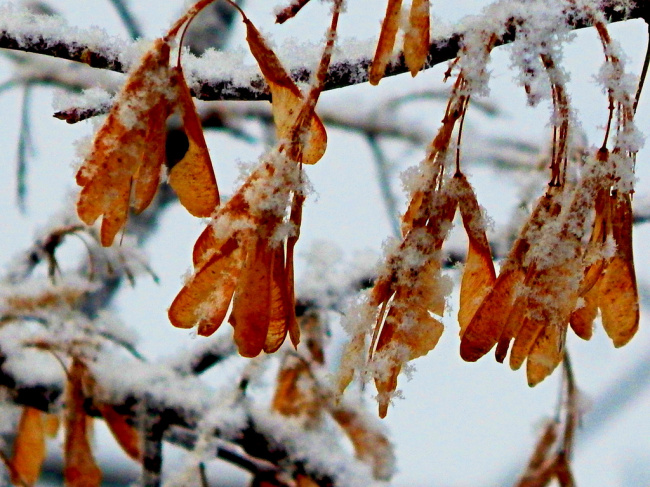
(341, 74)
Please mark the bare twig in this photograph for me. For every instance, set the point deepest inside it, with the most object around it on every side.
(290, 11)
(154, 428)
(24, 148)
(383, 178)
(128, 20)
(644, 72)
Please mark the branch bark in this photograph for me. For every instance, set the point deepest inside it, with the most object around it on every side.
(340, 74)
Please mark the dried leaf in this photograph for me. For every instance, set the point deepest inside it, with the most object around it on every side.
(478, 275)
(421, 336)
(295, 217)
(533, 324)
(513, 324)
(546, 354)
(370, 444)
(386, 41)
(563, 471)
(251, 311)
(51, 423)
(286, 108)
(147, 176)
(386, 385)
(416, 38)
(29, 448)
(122, 154)
(126, 435)
(351, 360)
(489, 323)
(406, 329)
(539, 472)
(287, 100)
(582, 318)
(619, 299)
(489, 320)
(552, 294)
(295, 393)
(204, 300)
(192, 178)
(280, 304)
(80, 469)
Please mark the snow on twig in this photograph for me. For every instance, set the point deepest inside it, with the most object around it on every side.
(46, 35)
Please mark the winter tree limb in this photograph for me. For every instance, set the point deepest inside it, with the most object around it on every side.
(341, 74)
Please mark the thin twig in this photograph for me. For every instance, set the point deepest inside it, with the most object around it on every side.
(384, 178)
(25, 148)
(129, 21)
(644, 72)
(154, 429)
(290, 11)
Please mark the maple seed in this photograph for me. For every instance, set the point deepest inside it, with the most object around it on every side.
(192, 178)
(29, 448)
(128, 149)
(124, 167)
(80, 469)
(416, 39)
(478, 274)
(386, 42)
(287, 100)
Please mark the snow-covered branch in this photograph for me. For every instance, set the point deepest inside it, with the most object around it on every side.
(36, 35)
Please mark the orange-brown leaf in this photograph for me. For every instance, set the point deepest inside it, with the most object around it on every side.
(546, 354)
(192, 178)
(51, 425)
(386, 386)
(29, 448)
(280, 304)
(619, 298)
(251, 311)
(416, 38)
(531, 327)
(417, 200)
(147, 177)
(208, 244)
(478, 279)
(80, 469)
(618, 301)
(489, 320)
(552, 295)
(370, 444)
(122, 144)
(386, 41)
(295, 393)
(286, 108)
(287, 100)
(421, 336)
(126, 435)
(268, 62)
(478, 275)
(582, 319)
(295, 217)
(512, 327)
(492, 316)
(204, 300)
(107, 195)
